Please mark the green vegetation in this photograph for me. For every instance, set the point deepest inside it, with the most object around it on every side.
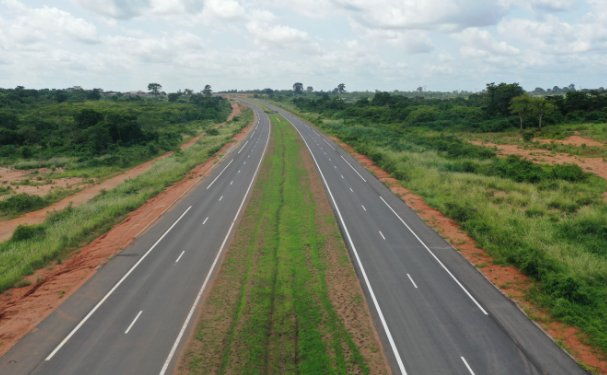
(280, 318)
(92, 138)
(549, 221)
(31, 248)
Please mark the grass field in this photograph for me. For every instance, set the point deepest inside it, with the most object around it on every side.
(552, 229)
(33, 247)
(273, 306)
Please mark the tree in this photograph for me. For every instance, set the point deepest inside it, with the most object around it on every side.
(335, 91)
(298, 87)
(419, 89)
(341, 88)
(94, 94)
(188, 91)
(174, 96)
(87, 118)
(310, 89)
(500, 97)
(207, 90)
(521, 106)
(541, 107)
(154, 88)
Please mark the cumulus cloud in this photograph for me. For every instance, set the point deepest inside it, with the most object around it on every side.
(438, 15)
(166, 49)
(32, 25)
(279, 37)
(481, 42)
(408, 41)
(555, 37)
(121, 9)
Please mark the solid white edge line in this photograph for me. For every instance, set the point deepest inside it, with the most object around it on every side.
(220, 174)
(112, 290)
(183, 252)
(243, 146)
(413, 282)
(328, 144)
(353, 169)
(362, 269)
(382, 235)
(467, 365)
(435, 257)
(133, 323)
(206, 280)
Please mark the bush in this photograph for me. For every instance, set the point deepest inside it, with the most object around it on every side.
(212, 132)
(21, 203)
(26, 232)
(528, 136)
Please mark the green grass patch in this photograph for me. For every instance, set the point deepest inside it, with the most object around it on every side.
(282, 319)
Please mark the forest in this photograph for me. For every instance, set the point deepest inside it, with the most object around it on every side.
(489, 111)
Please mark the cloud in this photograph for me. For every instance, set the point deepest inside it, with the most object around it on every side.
(480, 42)
(167, 49)
(555, 37)
(121, 9)
(32, 25)
(280, 37)
(437, 15)
(409, 41)
(223, 10)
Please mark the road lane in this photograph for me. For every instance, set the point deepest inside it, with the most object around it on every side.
(135, 327)
(449, 320)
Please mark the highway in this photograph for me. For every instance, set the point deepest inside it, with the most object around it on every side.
(134, 315)
(435, 313)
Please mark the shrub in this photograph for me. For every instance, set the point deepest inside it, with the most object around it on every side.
(212, 132)
(26, 232)
(528, 136)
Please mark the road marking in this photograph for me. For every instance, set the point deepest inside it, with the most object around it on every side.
(364, 207)
(412, 281)
(382, 235)
(243, 146)
(50, 356)
(467, 365)
(335, 167)
(438, 260)
(399, 361)
(206, 280)
(249, 156)
(342, 176)
(244, 162)
(231, 182)
(239, 171)
(180, 256)
(354, 169)
(205, 220)
(220, 174)
(330, 160)
(137, 317)
(329, 144)
(351, 190)
(220, 198)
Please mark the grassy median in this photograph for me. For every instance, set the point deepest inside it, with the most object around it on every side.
(286, 299)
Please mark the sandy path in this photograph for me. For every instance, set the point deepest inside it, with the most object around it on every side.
(540, 156)
(36, 217)
(24, 308)
(575, 140)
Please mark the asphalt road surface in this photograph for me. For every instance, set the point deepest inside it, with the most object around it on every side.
(135, 314)
(436, 314)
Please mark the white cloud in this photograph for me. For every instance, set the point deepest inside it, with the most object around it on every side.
(481, 42)
(32, 25)
(555, 37)
(281, 37)
(167, 49)
(408, 41)
(121, 9)
(438, 15)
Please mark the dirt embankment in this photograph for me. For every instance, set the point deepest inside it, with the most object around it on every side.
(21, 309)
(509, 280)
(36, 217)
(595, 165)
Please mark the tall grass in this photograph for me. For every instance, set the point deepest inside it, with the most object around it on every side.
(554, 230)
(72, 227)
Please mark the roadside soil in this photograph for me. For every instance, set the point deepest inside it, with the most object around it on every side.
(575, 140)
(15, 179)
(509, 280)
(204, 352)
(21, 309)
(36, 217)
(540, 156)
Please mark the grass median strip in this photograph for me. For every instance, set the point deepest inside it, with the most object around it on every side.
(286, 299)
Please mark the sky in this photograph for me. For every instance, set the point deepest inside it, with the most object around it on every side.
(442, 45)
